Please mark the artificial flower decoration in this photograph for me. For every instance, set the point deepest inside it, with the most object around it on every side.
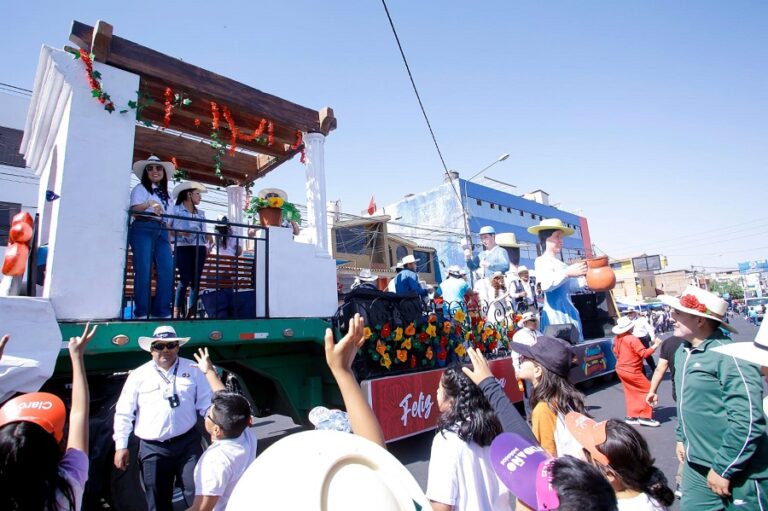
(459, 350)
(381, 348)
(431, 330)
(367, 333)
(410, 330)
(446, 327)
(429, 353)
(459, 316)
(399, 333)
(402, 355)
(385, 360)
(406, 344)
(386, 330)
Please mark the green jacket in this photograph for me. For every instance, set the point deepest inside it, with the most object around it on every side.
(719, 409)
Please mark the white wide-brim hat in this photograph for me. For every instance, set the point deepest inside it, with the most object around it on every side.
(138, 167)
(334, 471)
(161, 333)
(188, 185)
(527, 316)
(487, 229)
(275, 191)
(409, 259)
(623, 325)
(522, 269)
(365, 275)
(509, 240)
(454, 270)
(551, 224)
(755, 351)
(702, 303)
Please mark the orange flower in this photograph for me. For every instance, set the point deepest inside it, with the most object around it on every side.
(432, 318)
(381, 348)
(459, 316)
(428, 354)
(460, 351)
(447, 327)
(410, 330)
(402, 355)
(367, 333)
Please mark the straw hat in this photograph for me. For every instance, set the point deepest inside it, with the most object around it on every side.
(365, 275)
(409, 259)
(188, 185)
(138, 167)
(41, 408)
(551, 223)
(623, 325)
(272, 191)
(755, 351)
(702, 303)
(509, 240)
(337, 471)
(527, 316)
(161, 333)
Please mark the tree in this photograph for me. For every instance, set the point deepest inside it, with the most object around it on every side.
(733, 289)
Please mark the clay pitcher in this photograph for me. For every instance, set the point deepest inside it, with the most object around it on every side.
(600, 276)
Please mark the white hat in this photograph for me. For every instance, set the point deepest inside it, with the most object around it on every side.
(623, 325)
(508, 239)
(334, 471)
(366, 276)
(496, 274)
(188, 185)
(702, 303)
(755, 352)
(161, 333)
(631, 310)
(138, 167)
(487, 230)
(272, 191)
(527, 316)
(522, 269)
(454, 270)
(551, 224)
(409, 259)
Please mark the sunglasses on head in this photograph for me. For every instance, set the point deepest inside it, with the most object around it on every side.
(160, 346)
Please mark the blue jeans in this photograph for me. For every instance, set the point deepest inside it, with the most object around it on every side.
(149, 243)
(190, 260)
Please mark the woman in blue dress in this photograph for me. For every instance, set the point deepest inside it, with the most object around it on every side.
(558, 280)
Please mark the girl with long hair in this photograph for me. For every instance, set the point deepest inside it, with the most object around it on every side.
(546, 365)
(148, 237)
(622, 454)
(460, 473)
(36, 472)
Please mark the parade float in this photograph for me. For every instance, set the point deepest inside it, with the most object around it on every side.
(108, 102)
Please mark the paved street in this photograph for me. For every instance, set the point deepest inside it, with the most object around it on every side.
(604, 401)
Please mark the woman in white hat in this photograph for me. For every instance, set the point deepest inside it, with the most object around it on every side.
(191, 244)
(558, 280)
(630, 353)
(148, 237)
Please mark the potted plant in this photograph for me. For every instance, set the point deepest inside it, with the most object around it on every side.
(272, 210)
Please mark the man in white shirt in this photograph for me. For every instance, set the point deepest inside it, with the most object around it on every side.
(643, 331)
(233, 449)
(163, 397)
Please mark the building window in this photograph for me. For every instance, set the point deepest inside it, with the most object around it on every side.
(401, 252)
(423, 261)
(509, 210)
(493, 206)
(353, 240)
(521, 213)
(7, 212)
(479, 202)
(533, 216)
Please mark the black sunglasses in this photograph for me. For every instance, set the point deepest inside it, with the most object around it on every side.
(160, 346)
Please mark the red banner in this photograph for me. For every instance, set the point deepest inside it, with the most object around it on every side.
(407, 404)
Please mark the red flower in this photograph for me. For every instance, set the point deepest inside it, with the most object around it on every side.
(447, 327)
(458, 329)
(413, 361)
(197, 122)
(299, 140)
(168, 106)
(432, 318)
(423, 336)
(479, 347)
(691, 302)
(492, 346)
(510, 334)
(214, 116)
(386, 330)
(270, 133)
(442, 354)
(443, 341)
(303, 158)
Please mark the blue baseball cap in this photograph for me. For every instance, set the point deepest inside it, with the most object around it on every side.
(487, 230)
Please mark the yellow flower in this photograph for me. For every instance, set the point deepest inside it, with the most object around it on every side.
(431, 330)
(466, 336)
(460, 351)
(275, 202)
(367, 333)
(398, 333)
(386, 361)
(406, 344)
(460, 316)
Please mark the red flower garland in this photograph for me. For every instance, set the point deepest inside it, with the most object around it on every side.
(214, 116)
(197, 122)
(168, 107)
(256, 133)
(175, 163)
(691, 302)
(270, 133)
(93, 80)
(232, 130)
(299, 140)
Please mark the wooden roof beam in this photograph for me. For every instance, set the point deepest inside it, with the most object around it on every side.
(132, 57)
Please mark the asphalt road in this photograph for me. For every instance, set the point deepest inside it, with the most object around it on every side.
(604, 401)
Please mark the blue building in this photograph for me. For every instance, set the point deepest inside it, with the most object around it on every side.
(435, 218)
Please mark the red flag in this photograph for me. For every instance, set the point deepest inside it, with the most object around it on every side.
(372, 205)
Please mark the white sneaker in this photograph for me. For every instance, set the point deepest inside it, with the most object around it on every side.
(651, 423)
(631, 420)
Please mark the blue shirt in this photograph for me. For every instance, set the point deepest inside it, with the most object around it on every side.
(407, 282)
(496, 257)
(186, 228)
(453, 291)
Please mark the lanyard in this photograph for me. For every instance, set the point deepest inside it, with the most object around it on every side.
(171, 381)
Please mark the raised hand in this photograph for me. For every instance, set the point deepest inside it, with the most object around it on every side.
(480, 370)
(203, 360)
(77, 344)
(339, 356)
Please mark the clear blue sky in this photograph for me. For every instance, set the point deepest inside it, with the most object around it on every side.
(649, 117)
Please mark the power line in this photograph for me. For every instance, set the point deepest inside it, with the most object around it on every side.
(20, 89)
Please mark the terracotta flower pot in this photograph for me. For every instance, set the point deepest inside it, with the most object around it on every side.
(270, 217)
(600, 276)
